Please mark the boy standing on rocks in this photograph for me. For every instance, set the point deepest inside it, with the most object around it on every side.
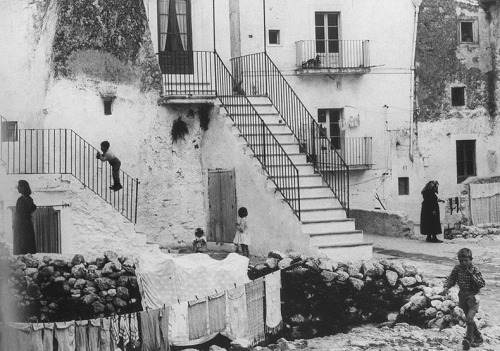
(470, 281)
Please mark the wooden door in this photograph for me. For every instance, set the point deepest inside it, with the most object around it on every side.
(222, 205)
(47, 226)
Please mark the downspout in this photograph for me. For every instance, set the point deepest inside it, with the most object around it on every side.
(416, 4)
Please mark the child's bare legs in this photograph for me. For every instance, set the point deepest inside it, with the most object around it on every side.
(468, 303)
(244, 248)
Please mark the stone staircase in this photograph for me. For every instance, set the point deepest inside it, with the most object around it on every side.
(322, 216)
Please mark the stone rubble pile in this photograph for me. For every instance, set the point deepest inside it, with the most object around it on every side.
(473, 231)
(56, 289)
(321, 296)
(435, 311)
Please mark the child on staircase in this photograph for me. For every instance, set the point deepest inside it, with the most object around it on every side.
(115, 163)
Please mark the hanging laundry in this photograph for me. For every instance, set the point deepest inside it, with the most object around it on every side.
(197, 319)
(255, 310)
(450, 200)
(16, 336)
(134, 330)
(105, 335)
(94, 326)
(165, 346)
(217, 313)
(457, 202)
(65, 335)
(37, 337)
(124, 329)
(150, 328)
(237, 311)
(274, 321)
(81, 336)
(115, 332)
(178, 329)
(48, 336)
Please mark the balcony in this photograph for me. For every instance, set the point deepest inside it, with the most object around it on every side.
(356, 152)
(328, 57)
(188, 77)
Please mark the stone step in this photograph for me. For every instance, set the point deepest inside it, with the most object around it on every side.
(322, 214)
(291, 147)
(328, 226)
(346, 252)
(319, 202)
(280, 158)
(326, 239)
(310, 180)
(304, 169)
(313, 191)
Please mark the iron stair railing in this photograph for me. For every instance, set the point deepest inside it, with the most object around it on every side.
(62, 151)
(268, 150)
(203, 73)
(258, 75)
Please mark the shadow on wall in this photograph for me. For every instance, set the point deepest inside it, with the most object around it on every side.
(384, 223)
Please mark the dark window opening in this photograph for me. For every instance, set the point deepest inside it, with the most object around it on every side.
(322, 116)
(330, 126)
(107, 107)
(274, 37)
(404, 186)
(175, 38)
(9, 131)
(467, 32)
(326, 28)
(466, 159)
(458, 96)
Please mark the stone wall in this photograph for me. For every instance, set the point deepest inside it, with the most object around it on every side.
(323, 297)
(384, 223)
(51, 289)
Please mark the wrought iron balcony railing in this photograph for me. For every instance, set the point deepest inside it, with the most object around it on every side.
(356, 151)
(320, 55)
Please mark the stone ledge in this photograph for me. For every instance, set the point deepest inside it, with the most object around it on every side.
(384, 223)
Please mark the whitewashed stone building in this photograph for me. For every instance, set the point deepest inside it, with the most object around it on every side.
(297, 110)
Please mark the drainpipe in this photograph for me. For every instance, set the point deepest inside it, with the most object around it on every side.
(416, 4)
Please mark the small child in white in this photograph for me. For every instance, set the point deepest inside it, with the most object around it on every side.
(242, 236)
(200, 241)
(115, 163)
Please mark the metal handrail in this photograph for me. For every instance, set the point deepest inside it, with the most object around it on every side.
(258, 75)
(62, 151)
(268, 150)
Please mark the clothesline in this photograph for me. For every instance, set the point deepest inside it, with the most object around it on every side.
(245, 311)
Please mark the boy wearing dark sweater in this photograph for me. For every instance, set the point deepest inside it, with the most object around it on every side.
(470, 281)
(115, 163)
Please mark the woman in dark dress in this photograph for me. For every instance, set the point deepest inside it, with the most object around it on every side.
(430, 224)
(24, 233)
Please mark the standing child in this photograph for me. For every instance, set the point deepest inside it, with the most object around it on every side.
(115, 163)
(200, 241)
(470, 281)
(242, 236)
